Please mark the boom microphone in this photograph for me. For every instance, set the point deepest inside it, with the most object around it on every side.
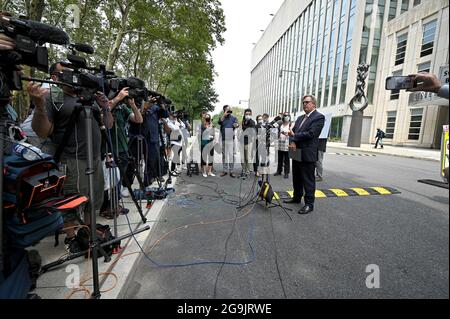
(37, 31)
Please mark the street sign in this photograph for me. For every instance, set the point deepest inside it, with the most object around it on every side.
(443, 74)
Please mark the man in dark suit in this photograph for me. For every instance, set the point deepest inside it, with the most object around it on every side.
(304, 141)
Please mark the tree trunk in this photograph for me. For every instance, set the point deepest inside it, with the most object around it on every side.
(114, 50)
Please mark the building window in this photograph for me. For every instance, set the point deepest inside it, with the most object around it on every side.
(424, 67)
(395, 94)
(392, 9)
(416, 3)
(402, 42)
(429, 32)
(390, 126)
(336, 128)
(405, 6)
(415, 124)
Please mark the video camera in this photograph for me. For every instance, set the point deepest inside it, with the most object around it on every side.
(30, 37)
(137, 89)
(277, 122)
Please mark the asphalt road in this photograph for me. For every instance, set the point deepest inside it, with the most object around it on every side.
(321, 255)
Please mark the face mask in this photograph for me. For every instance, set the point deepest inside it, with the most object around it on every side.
(260, 122)
(207, 119)
(287, 118)
(248, 117)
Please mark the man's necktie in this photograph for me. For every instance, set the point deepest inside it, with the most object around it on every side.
(303, 122)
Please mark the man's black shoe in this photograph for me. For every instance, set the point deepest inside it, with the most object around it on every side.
(292, 201)
(306, 210)
(286, 176)
(277, 174)
(232, 175)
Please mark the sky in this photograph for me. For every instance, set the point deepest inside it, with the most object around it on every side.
(244, 21)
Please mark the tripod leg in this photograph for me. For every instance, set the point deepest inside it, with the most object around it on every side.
(90, 171)
(130, 189)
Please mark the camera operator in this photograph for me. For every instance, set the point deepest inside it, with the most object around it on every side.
(124, 111)
(51, 118)
(6, 43)
(152, 112)
(228, 123)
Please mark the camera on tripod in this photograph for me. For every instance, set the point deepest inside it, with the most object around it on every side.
(136, 91)
(30, 37)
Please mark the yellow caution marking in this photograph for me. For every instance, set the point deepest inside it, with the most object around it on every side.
(319, 194)
(361, 191)
(275, 195)
(382, 190)
(291, 193)
(339, 192)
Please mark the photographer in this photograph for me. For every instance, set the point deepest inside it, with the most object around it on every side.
(51, 118)
(228, 123)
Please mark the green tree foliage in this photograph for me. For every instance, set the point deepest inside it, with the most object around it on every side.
(167, 43)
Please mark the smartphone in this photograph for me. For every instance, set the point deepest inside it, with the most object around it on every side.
(400, 83)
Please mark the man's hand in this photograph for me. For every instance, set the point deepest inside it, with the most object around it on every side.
(293, 146)
(6, 43)
(427, 82)
(131, 103)
(102, 100)
(37, 94)
(123, 94)
(291, 133)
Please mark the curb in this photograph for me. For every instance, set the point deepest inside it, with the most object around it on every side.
(126, 268)
(381, 153)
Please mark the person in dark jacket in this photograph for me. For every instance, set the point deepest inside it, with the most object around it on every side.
(380, 135)
(304, 147)
(249, 134)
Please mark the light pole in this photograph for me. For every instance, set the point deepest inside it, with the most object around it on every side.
(297, 89)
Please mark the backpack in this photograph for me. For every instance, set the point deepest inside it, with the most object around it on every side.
(103, 235)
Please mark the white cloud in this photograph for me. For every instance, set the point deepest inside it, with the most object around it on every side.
(244, 19)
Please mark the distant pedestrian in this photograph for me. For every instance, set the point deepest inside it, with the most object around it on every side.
(380, 135)
(319, 163)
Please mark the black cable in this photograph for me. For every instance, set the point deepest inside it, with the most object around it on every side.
(276, 257)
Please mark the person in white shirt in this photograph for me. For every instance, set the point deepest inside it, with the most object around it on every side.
(175, 137)
(283, 146)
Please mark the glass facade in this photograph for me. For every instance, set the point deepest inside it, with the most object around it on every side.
(314, 56)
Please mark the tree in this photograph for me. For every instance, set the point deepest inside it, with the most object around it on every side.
(167, 43)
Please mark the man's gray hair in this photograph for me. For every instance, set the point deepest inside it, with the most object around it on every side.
(313, 98)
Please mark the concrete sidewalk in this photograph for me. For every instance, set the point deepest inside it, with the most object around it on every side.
(409, 152)
(113, 275)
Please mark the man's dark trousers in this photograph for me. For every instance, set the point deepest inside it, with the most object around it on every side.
(304, 181)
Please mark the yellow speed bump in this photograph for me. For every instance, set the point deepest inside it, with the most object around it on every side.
(360, 191)
(339, 192)
(382, 190)
(319, 194)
